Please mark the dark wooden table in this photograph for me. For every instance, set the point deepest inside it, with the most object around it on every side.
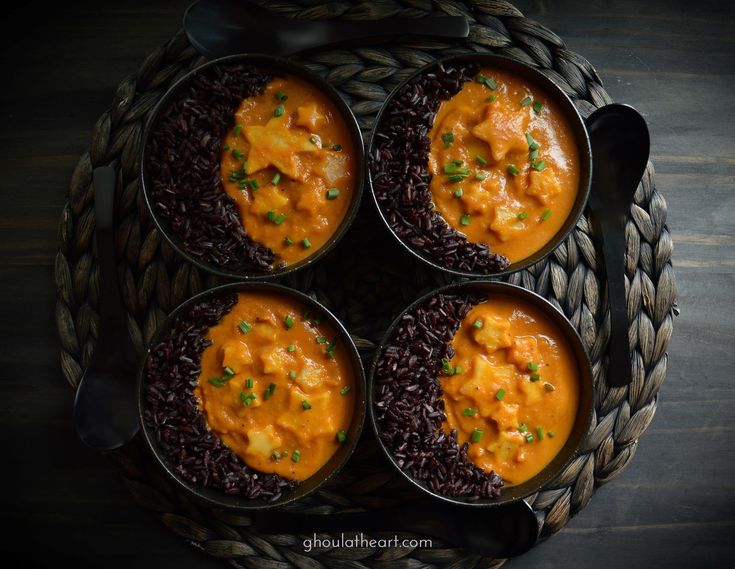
(673, 506)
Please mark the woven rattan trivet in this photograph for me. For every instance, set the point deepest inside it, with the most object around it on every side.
(367, 280)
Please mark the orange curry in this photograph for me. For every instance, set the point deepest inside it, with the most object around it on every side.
(511, 389)
(289, 164)
(504, 164)
(276, 386)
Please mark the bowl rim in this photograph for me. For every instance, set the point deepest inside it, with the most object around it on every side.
(288, 66)
(573, 117)
(583, 420)
(215, 497)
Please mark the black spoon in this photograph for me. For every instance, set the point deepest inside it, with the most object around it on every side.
(503, 531)
(224, 27)
(105, 406)
(620, 146)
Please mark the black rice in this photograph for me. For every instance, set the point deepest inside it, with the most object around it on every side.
(399, 169)
(183, 168)
(171, 410)
(408, 404)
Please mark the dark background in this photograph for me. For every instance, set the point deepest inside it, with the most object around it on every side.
(672, 507)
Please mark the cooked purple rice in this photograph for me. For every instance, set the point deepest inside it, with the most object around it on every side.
(171, 411)
(408, 404)
(399, 168)
(183, 172)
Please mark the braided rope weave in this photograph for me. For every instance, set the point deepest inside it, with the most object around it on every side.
(371, 289)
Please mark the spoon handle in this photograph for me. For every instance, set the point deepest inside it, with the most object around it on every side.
(445, 26)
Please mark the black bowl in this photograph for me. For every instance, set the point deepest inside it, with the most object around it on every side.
(276, 66)
(584, 412)
(218, 498)
(571, 115)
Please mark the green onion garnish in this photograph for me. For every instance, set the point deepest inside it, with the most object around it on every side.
(330, 349)
(220, 381)
(477, 324)
(539, 165)
(551, 434)
(287, 241)
(226, 147)
(546, 215)
(535, 377)
(280, 218)
(249, 382)
(306, 243)
(454, 168)
(523, 427)
(465, 219)
(532, 144)
(500, 394)
(454, 178)
(292, 374)
(513, 170)
(296, 456)
(345, 390)
(457, 370)
(247, 398)
(469, 412)
(321, 340)
(332, 193)
(281, 96)
(239, 154)
(337, 147)
(476, 435)
(537, 107)
(480, 176)
(533, 155)
(447, 139)
(288, 321)
(276, 178)
(481, 160)
(458, 193)
(529, 438)
(533, 366)
(271, 215)
(523, 215)
(306, 405)
(341, 436)
(539, 433)
(244, 326)
(290, 348)
(237, 130)
(525, 101)
(490, 98)
(270, 390)
(280, 109)
(447, 367)
(485, 80)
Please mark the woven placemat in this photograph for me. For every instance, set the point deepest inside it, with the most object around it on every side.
(367, 280)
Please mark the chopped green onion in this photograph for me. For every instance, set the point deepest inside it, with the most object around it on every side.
(270, 390)
(306, 405)
(447, 139)
(454, 178)
(480, 176)
(337, 147)
(465, 219)
(458, 193)
(237, 130)
(478, 324)
(485, 80)
(288, 321)
(306, 243)
(332, 193)
(546, 215)
(271, 215)
(345, 390)
(220, 381)
(533, 366)
(532, 144)
(247, 398)
(330, 349)
(226, 147)
(476, 435)
(535, 377)
(523, 215)
(457, 370)
(490, 98)
(529, 438)
(292, 374)
(244, 326)
(539, 433)
(249, 382)
(453, 168)
(539, 166)
(525, 101)
(481, 160)
(229, 371)
(537, 107)
(513, 170)
(500, 394)
(287, 241)
(447, 367)
(469, 412)
(321, 340)
(341, 436)
(280, 109)
(281, 96)
(280, 219)
(239, 154)
(276, 178)
(296, 456)
(533, 155)
(551, 434)
(290, 348)
(523, 427)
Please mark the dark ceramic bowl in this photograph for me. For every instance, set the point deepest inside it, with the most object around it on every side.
(276, 66)
(584, 412)
(572, 117)
(218, 498)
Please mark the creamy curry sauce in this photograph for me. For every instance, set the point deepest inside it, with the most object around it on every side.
(511, 389)
(276, 386)
(504, 164)
(289, 164)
